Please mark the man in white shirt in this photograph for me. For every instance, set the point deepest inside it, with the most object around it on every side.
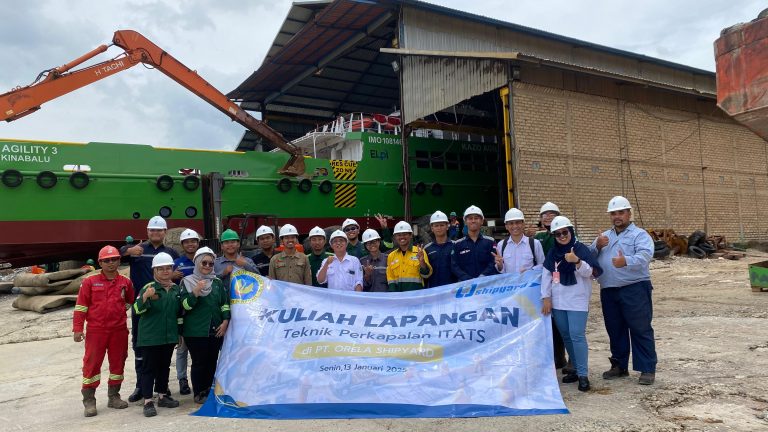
(342, 271)
(517, 253)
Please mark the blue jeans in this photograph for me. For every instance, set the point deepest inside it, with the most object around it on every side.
(573, 328)
(181, 361)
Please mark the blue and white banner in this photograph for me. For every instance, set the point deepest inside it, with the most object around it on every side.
(476, 348)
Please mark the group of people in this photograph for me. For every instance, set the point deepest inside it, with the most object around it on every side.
(183, 302)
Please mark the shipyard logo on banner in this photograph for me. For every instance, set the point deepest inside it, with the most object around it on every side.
(477, 348)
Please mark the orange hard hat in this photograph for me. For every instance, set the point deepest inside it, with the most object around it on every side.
(108, 252)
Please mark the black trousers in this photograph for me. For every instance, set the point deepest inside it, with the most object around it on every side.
(205, 353)
(157, 362)
(559, 346)
(138, 357)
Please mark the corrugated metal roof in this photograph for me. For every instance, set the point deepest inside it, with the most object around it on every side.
(326, 58)
(424, 30)
(442, 10)
(431, 84)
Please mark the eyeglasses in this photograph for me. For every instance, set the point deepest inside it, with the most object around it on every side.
(110, 260)
(561, 233)
(206, 263)
(351, 228)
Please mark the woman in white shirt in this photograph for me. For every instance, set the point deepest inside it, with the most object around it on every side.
(566, 286)
(342, 271)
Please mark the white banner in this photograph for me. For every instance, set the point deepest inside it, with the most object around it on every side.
(476, 348)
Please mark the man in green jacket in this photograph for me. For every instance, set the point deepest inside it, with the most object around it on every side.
(317, 253)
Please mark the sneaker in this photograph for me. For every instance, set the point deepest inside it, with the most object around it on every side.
(615, 371)
(584, 383)
(570, 378)
(135, 396)
(184, 387)
(647, 378)
(149, 410)
(167, 402)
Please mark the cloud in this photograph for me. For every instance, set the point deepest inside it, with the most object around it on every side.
(226, 40)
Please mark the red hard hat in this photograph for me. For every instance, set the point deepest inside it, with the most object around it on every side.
(108, 252)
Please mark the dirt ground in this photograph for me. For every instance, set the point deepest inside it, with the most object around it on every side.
(711, 335)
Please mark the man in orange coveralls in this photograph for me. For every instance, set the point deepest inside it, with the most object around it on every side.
(102, 301)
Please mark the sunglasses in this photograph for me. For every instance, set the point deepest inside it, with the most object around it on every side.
(352, 228)
(206, 263)
(110, 260)
(559, 234)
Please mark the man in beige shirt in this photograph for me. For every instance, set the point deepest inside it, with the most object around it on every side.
(290, 265)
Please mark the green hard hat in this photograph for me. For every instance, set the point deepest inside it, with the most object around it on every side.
(229, 235)
(89, 262)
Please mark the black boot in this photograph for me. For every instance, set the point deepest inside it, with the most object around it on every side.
(135, 396)
(615, 371)
(584, 384)
(570, 378)
(184, 387)
(568, 369)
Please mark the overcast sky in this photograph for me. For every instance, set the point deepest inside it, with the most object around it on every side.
(226, 40)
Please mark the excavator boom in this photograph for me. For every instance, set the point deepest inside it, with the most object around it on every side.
(138, 49)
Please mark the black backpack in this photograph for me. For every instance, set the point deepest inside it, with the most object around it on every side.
(531, 243)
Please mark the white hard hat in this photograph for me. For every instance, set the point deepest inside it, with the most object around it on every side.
(513, 214)
(370, 234)
(349, 222)
(473, 210)
(339, 234)
(618, 203)
(317, 231)
(287, 230)
(438, 216)
(157, 222)
(549, 206)
(204, 251)
(263, 230)
(560, 222)
(162, 259)
(188, 234)
(403, 227)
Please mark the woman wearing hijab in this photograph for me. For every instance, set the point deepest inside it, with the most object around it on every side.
(158, 309)
(566, 286)
(206, 317)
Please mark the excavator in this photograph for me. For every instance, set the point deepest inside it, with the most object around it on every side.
(742, 73)
(56, 82)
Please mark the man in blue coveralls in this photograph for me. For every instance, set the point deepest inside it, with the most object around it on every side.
(473, 255)
(624, 253)
(439, 251)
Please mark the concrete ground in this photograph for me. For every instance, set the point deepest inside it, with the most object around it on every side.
(712, 342)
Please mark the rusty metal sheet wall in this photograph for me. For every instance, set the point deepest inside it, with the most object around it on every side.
(424, 30)
(431, 84)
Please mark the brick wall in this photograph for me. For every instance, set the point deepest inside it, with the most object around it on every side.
(579, 150)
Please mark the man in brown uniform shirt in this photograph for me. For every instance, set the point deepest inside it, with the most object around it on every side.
(290, 265)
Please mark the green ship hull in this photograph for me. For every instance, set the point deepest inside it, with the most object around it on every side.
(97, 193)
